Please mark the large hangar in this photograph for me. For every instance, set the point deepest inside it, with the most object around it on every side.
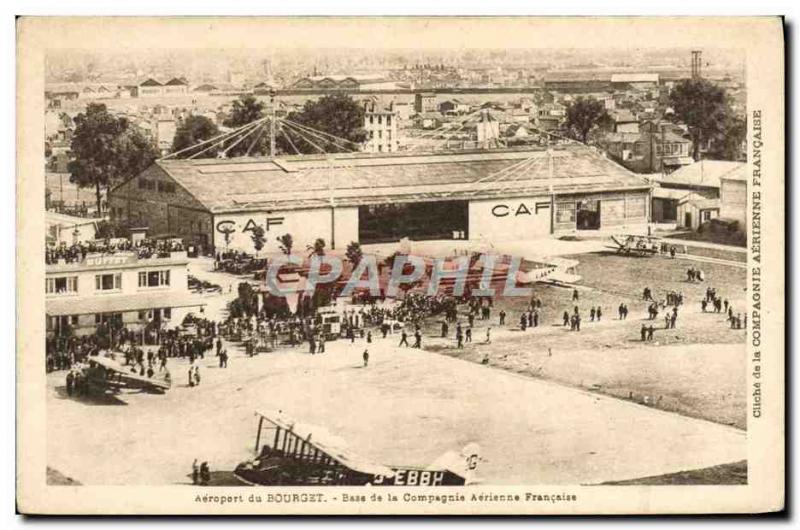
(489, 194)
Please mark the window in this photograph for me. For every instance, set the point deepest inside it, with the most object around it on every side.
(142, 315)
(73, 320)
(166, 187)
(388, 120)
(706, 215)
(153, 278)
(62, 285)
(108, 282)
(107, 318)
(166, 313)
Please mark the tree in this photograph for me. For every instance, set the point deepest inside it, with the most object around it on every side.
(192, 131)
(336, 114)
(258, 239)
(247, 109)
(317, 248)
(727, 145)
(703, 107)
(286, 242)
(354, 253)
(585, 116)
(106, 150)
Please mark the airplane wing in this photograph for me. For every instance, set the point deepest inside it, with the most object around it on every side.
(110, 364)
(325, 442)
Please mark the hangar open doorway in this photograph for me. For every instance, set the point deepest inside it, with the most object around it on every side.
(588, 214)
(382, 223)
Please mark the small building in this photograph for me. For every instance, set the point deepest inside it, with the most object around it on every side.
(651, 150)
(428, 120)
(68, 229)
(733, 196)
(625, 121)
(453, 107)
(424, 102)
(703, 177)
(118, 289)
(695, 209)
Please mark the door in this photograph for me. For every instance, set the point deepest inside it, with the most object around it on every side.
(588, 214)
(687, 219)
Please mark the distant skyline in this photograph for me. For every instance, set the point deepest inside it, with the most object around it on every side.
(215, 63)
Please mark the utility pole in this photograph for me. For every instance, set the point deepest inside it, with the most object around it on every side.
(550, 172)
(272, 123)
(697, 64)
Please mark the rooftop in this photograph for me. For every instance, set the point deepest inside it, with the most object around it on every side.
(705, 173)
(311, 181)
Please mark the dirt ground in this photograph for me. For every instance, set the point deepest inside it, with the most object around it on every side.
(553, 422)
(697, 369)
(406, 408)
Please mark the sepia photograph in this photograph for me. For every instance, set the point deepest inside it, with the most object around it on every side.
(305, 269)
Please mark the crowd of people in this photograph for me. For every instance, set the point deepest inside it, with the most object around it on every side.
(144, 248)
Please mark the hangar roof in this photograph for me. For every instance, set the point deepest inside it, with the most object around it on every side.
(309, 181)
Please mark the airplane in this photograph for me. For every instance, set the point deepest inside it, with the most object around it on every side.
(308, 455)
(631, 243)
(105, 373)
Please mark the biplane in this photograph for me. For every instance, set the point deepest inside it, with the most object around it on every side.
(105, 373)
(636, 244)
(298, 454)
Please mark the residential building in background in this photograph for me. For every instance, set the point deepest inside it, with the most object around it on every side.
(381, 125)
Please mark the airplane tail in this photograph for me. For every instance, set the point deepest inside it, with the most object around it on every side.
(463, 463)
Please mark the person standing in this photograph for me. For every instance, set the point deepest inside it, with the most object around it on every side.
(502, 317)
(205, 474)
(644, 332)
(599, 313)
(365, 356)
(591, 314)
(223, 359)
(403, 338)
(566, 318)
(417, 339)
(195, 473)
(489, 335)
(369, 337)
(468, 334)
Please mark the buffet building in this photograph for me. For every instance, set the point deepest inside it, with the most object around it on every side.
(494, 195)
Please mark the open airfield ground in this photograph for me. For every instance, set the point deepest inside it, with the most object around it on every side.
(546, 410)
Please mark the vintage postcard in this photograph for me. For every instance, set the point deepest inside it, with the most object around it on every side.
(400, 265)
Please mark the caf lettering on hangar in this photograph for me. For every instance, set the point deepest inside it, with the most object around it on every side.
(504, 210)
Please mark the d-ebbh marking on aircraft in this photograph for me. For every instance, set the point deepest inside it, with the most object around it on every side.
(307, 455)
